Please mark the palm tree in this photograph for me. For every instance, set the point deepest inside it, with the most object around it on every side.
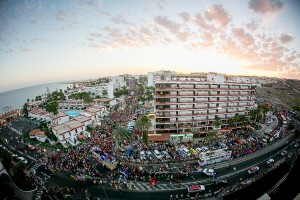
(264, 109)
(244, 120)
(217, 121)
(143, 123)
(237, 118)
(253, 114)
(119, 134)
(230, 122)
(213, 136)
(25, 109)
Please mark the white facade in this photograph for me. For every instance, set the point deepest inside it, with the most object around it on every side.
(150, 79)
(118, 81)
(84, 120)
(39, 114)
(68, 132)
(60, 118)
(95, 112)
(188, 103)
(38, 134)
(110, 90)
(72, 104)
(159, 76)
(96, 90)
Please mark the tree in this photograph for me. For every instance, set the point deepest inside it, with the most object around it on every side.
(7, 191)
(87, 98)
(217, 121)
(119, 134)
(143, 123)
(230, 122)
(243, 120)
(6, 158)
(237, 118)
(25, 109)
(263, 109)
(52, 107)
(253, 114)
(212, 137)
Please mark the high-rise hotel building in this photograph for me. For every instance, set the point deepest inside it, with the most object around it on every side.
(188, 103)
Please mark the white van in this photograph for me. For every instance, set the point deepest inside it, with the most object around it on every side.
(157, 154)
(186, 151)
(264, 141)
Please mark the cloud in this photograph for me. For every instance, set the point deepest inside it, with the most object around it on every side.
(265, 6)
(253, 25)
(246, 39)
(119, 19)
(33, 22)
(173, 27)
(25, 49)
(113, 32)
(218, 14)
(185, 16)
(285, 38)
(94, 4)
(290, 58)
(200, 21)
(161, 4)
(61, 15)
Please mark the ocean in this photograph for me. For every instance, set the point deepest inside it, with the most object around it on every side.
(15, 99)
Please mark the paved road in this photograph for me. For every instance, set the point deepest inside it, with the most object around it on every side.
(163, 190)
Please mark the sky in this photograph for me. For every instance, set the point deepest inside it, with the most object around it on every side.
(51, 41)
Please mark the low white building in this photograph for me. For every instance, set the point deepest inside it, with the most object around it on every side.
(83, 119)
(39, 114)
(68, 132)
(60, 118)
(72, 104)
(96, 90)
(95, 112)
(38, 134)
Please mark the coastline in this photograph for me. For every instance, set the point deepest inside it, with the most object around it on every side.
(15, 99)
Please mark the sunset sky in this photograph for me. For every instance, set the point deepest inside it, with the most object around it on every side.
(48, 41)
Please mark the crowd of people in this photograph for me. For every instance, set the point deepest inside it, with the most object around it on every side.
(79, 163)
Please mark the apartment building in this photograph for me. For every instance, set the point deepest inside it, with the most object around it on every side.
(187, 104)
(158, 76)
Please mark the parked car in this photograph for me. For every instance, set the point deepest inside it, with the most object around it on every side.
(253, 170)
(270, 162)
(143, 155)
(204, 149)
(196, 188)
(209, 172)
(193, 151)
(157, 154)
(23, 160)
(198, 150)
(15, 157)
(296, 145)
(283, 153)
(150, 155)
(180, 153)
(186, 151)
(166, 154)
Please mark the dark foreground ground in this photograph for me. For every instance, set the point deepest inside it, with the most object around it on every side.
(288, 190)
